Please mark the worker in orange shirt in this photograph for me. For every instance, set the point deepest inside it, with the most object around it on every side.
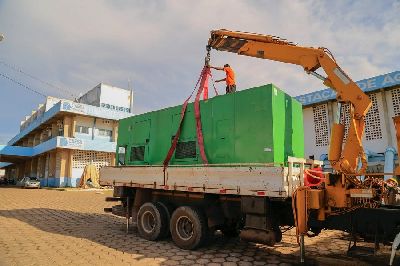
(230, 78)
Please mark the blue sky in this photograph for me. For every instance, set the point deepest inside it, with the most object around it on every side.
(160, 46)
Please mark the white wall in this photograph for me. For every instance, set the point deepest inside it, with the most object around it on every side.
(379, 145)
(391, 113)
(109, 97)
(77, 172)
(115, 96)
(50, 102)
(375, 145)
(309, 135)
(91, 97)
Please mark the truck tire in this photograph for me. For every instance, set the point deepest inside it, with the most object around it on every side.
(168, 210)
(151, 221)
(188, 227)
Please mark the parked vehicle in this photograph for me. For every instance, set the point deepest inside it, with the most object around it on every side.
(29, 182)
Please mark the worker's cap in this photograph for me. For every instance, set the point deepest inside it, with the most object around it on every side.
(226, 65)
(393, 180)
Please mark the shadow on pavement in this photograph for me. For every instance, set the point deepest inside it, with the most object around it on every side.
(109, 231)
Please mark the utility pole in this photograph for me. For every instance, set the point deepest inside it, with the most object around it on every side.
(131, 96)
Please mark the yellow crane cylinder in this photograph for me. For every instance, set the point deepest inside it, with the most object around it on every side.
(335, 148)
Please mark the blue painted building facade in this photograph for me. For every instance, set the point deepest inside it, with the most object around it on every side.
(61, 137)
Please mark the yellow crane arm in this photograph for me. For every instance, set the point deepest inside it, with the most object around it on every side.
(274, 48)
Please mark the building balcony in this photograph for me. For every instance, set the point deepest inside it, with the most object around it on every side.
(15, 154)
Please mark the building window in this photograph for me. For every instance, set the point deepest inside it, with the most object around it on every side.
(81, 129)
(396, 101)
(99, 159)
(321, 125)
(47, 134)
(373, 129)
(105, 132)
(60, 125)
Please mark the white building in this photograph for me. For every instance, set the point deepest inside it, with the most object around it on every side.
(320, 108)
(109, 97)
(61, 137)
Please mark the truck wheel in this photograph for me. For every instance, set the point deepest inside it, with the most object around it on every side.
(168, 210)
(188, 227)
(151, 221)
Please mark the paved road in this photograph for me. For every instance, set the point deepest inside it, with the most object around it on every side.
(49, 227)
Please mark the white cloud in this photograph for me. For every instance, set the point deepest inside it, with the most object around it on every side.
(160, 45)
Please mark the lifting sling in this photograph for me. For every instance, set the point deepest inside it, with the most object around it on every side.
(203, 80)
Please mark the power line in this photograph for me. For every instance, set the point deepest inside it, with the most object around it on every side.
(18, 69)
(22, 85)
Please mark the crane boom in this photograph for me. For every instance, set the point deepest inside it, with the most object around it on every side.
(347, 91)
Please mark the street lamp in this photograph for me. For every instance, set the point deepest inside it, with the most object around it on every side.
(1, 37)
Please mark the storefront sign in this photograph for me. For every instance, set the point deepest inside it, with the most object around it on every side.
(371, 84)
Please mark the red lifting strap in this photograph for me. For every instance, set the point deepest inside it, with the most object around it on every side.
(203, 79)
(205, 94)
(204, 83)
(176, 137)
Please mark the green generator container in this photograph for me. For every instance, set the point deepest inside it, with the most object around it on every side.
(256, 125)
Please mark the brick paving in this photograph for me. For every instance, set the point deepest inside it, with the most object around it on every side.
(50, 227)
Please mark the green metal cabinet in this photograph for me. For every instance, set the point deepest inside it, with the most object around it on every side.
(256, 125)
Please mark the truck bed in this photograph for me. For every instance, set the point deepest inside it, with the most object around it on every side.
(233, 179)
